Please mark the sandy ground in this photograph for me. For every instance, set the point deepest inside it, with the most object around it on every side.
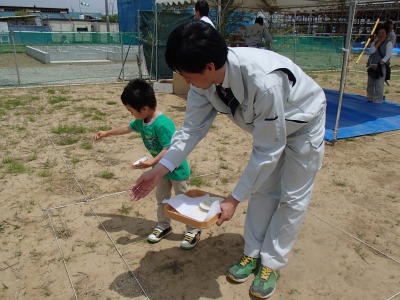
(68, 229)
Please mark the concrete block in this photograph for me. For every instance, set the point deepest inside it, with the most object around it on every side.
(163, 87)
(181, 87)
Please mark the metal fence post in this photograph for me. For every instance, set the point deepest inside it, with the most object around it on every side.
(122, 57)
(346, 50)
(15, 56)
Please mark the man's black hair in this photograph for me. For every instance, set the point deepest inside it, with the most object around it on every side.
(259, 20)
(192, 45)
(137, 94)
(202, 7)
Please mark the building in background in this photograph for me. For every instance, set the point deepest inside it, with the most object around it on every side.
(34, 18)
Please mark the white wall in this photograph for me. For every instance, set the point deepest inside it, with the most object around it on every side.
(102, 27)
(73, 25)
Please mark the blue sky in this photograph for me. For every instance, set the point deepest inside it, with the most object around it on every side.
(96, 6)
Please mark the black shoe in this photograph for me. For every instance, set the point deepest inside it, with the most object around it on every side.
(158, 234)
(191, 239)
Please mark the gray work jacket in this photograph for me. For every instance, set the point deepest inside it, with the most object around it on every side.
(276, 99)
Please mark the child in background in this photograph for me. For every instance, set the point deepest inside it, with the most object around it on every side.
(156, 130)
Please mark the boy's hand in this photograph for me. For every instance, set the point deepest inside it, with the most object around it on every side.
(100, 135)
(143, 165)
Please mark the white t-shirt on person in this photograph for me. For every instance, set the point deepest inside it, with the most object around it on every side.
(207, 20)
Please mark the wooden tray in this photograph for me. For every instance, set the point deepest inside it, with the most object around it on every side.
(175, 215)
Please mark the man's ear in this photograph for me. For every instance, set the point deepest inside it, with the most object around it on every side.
(210, 67)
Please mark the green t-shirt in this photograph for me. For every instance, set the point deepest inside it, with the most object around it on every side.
(156, 136)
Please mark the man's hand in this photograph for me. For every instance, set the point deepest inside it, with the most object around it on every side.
(228, 208)
(147, 182)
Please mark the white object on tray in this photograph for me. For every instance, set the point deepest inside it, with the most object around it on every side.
(137, 163)
(206, 203)
(190, 207)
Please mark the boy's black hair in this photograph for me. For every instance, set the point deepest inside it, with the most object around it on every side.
(202, 7)
(192, 45)
(137, 94)
(259, 20)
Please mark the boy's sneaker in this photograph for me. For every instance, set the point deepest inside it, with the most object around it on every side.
(241, 270)
(158, 234)
(191, 239)
(264, 283)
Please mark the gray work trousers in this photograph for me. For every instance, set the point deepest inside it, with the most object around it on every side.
(276, 211)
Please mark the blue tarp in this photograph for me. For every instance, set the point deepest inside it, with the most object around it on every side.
(358, 116)
(128, 13)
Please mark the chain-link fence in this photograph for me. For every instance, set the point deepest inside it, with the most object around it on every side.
(154, 38)
(311, 53)
(38, 58)
(34, 58)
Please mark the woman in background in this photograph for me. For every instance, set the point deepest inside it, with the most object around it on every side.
(378, 61)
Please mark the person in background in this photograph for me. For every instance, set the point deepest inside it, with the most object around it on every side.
(391, 38)
(391, 35)
(201, 10)
(256, 33)
(271, 98)
(156, 130)
(378, 62)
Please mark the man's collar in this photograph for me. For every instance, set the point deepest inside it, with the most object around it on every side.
(225, 83)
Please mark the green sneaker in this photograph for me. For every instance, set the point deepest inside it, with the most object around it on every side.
(241, 270)
(264, 283)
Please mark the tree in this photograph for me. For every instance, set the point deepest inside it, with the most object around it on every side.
(112, 18)
(271, 8)
(21, 13)
(232, 17)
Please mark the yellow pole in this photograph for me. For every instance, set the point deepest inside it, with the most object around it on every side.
(367, 43)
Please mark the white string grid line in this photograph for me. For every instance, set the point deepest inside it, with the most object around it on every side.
(354, 237)
(98, 219)
(62, 254)
(87, 200)
(90, 199)
(394, 296)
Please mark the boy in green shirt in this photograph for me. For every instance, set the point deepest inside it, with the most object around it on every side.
(156, 130)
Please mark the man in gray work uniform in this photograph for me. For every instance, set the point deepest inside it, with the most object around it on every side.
(283, 109)
(257, 35)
